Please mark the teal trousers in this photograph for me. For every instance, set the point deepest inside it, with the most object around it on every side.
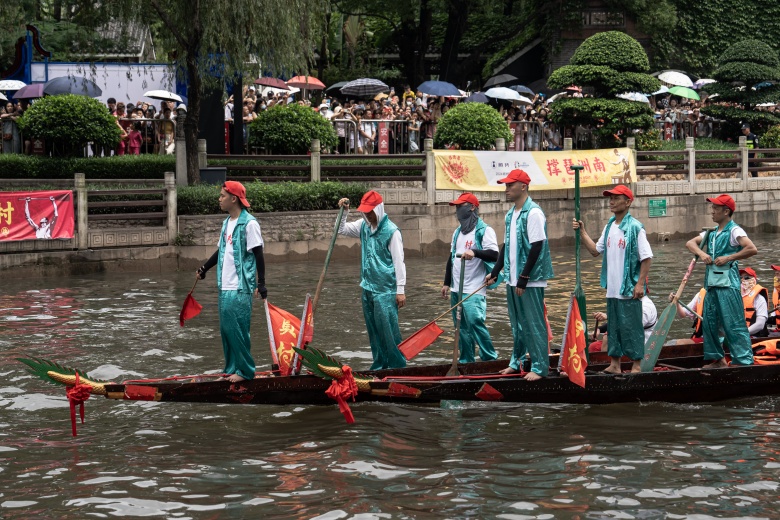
(235, 317)
(625, 332)
(723, 310)
(473, 329)
(529, 329)
(381, 314)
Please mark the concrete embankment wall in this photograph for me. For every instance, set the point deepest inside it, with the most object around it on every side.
(426, 230)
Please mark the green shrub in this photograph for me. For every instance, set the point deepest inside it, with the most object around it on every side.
(648, 140)
(67, 122)
(608, 116)
(771, 138)
(289, 129)
(471, 126)
(202, 199)
(15, 166)
(612, 49)
(754, 51)
(304, 174)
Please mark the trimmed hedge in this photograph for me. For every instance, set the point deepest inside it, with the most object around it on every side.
(330, 173)
(16, 166)
(289, 129)
(612, 49)
(471, 126)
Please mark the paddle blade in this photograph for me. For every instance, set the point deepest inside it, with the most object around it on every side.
(189, 310)
(657, 339)
(420, 340)
(574, 361)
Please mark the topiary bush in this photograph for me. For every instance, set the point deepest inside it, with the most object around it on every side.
(289, 129)
(67, 122)
(612, 49)
(471, 126)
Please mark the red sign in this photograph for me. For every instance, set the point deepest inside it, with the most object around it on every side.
(34, 215)
(227, 138)
(384, 138)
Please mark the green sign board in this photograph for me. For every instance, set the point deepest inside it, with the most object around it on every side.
(656, 207)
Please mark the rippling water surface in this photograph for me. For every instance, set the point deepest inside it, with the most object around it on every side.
(474, 460)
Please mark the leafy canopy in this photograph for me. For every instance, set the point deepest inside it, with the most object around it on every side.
(289, 129)
(612, 49)
(471, 126)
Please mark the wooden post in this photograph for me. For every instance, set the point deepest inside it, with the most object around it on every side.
(500, 144)
(203, 161)
(430, 171)
(171, 219)
(691, 151)
(82, 211)
(181, 147)
(567, 144)
(743, 154)
(315, 160)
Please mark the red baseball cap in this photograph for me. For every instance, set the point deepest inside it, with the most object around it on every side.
(724, 200)
(369, 201)
(237, 189)
(776, 267)
(466, 197)
(748, 271)
(516, 176)
(620, 189)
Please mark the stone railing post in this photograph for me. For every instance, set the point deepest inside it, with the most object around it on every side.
(691, 152)
(171, 219)
(203, 161)
(315, 160)
(180, 148)
(500, 144)
(81, 211)
(631, 145)
(567, 144)
(744, 165)
(430, 171)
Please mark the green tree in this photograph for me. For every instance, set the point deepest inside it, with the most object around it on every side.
(610, 63)
(471, 126)
(289, 129)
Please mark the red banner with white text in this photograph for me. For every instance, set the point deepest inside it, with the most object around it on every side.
(36, 215)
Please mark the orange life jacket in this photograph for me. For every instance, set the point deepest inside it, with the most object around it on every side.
(697, 333)
(775, 298)
(748, 303)
(767, 352)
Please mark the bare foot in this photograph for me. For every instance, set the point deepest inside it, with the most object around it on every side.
(235, 378)
(532, 376)
(508, 370)
(721, 363)
(611, 370)
(636, 367)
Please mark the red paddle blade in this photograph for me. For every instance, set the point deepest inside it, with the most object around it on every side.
(189, 310)
(420, 340)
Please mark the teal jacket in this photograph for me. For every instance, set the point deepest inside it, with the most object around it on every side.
(377, 272)
(719, 244)
(543, 269)
(246, 266)
(631, 228)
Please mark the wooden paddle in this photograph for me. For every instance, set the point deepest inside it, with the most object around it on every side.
(321, 281)
(453, 371)
(579, 293)
(656, 340)
(272, 342)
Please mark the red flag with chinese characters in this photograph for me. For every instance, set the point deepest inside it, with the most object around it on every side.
(574, 362)
(285, 329)
(36, 215)
(418, 341)
(308, 325)
(189, 310)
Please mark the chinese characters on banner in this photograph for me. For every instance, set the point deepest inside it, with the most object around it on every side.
(36, 215)
(479, 171)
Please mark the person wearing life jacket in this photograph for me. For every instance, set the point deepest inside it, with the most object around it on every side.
(754, 300)
(774, 311)
(649, 321)
(477, 242)
(697, 306)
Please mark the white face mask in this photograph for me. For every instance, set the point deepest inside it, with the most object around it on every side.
(747, 285)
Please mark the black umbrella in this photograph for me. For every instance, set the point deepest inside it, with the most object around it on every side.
(72, 85)
(364, 87)
(497, 80)
(336, 87)
(522, 89)
(477, 97)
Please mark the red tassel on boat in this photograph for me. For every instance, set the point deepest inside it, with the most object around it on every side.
(77, 394)
(342, 389)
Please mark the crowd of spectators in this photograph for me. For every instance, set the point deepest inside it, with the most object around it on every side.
(144, 128)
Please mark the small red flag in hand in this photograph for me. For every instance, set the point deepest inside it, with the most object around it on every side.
(574, 362)
(189, 310)
(420, 340)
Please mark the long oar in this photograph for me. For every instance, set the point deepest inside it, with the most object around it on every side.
(657, 339)
(272, 342)
(453, 371)
(579, 293)
(316, 299)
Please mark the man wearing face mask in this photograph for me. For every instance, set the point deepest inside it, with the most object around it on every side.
(754, 300)
(382, 277)
(476, 241)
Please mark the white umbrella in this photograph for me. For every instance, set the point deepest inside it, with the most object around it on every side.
(505, 93)
(3, 98)
(766, 104)
(11, 84)
(676, 78)
(289, 90)
(663, 90)
(634, 96)
(557, 96)
(700, 83)
(163, 95)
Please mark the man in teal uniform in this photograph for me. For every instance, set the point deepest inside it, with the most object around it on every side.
(727, 243)
(240, 276)
(624, 269)
(477, 242)
(382, 277)
(525, 262)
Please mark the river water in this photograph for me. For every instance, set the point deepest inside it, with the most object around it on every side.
(471, 460)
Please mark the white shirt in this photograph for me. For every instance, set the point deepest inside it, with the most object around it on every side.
(253, 239)
(396, 246)
(475, 271)
(649, 316)
(534, 228)
(616, 254)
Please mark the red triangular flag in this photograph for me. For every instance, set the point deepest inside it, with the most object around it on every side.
(308, 326)
(189, 310)
(285, 328)
(418, 341)
(574, 362)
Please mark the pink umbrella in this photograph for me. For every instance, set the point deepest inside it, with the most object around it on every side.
(33, 91)
(306, 82)
(272, 82)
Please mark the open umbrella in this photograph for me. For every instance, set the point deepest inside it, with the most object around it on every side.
(3, 98)
(557, 96)
(364, 87)
(477, 97)
(663, 90)
(335, 87)
(163, 95)
(306, 82)
(33, 91)
(684, 92)
(573, 88)
(11, 84)
(497, 80)
(72, 85)
(673, 77)
(272, 82)
(438, 88)
(506, 94)
(634, 96)
(700, 83)
(522, 89)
